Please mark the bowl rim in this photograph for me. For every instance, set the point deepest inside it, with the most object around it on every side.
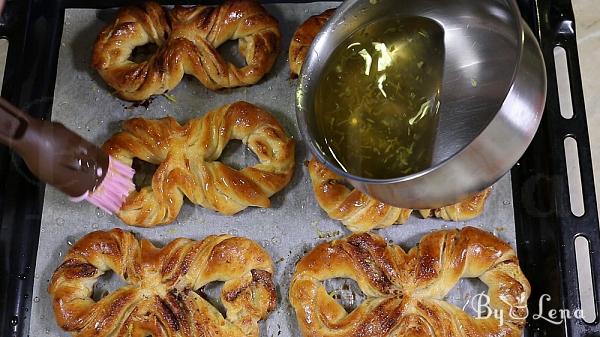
(314, 149)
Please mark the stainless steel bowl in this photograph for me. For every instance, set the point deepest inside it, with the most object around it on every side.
(492, 96)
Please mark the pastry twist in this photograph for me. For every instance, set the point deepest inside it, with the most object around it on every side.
(303, 38)
(405, 291)
(361, 213)
(187, 40)
(465, 210)
(356, 210)
(162, 296)
(187, 158)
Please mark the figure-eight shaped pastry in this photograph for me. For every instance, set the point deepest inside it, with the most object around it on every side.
(187, 157)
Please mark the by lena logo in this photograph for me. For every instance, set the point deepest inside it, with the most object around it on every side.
(556, 316)
(480, 305)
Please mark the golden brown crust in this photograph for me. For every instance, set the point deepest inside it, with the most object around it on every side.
(405, 290)
(187, 158)
(187, 40)
(160, 298)
(361, 213)
(303, 38)
(356, 210)
(467, 209)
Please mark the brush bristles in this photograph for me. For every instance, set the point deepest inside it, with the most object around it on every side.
(114, 189)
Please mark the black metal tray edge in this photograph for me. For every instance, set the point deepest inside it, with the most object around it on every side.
(546, 228)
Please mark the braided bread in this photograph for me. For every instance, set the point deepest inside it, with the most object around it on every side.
(303, 38)
(187, 40)
(187, 163)
(162, 296)
(405, 291)
(361, 213)
(356, 210)
(467, 209)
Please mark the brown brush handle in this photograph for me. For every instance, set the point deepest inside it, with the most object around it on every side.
(52, 152)
(12, 122)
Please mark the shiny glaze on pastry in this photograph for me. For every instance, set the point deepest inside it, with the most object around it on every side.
(465, 210)
(163, 292)
(361, 213)
(356, 210)
(187, 156)
(187, 39)
(405, 291)
(303, 38)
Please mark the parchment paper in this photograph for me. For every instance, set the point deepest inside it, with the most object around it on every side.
(295, 223)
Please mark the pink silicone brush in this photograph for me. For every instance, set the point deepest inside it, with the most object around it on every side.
(66, 161)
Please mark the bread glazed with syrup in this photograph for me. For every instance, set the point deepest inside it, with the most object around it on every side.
(362, 213)
(163, 291)
(187, 158)
(406, 290)
(187, 39)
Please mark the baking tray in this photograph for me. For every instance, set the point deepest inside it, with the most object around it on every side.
(544, 230)
(294, 224)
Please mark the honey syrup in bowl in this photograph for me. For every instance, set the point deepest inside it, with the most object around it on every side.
(377, 99)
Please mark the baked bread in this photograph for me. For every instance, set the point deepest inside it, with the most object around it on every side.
(187, 157)
(405, 291)
(303, 38)
(187, 39)
(361, 213)
(356, 210)
(163, 294)
(465, 210)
